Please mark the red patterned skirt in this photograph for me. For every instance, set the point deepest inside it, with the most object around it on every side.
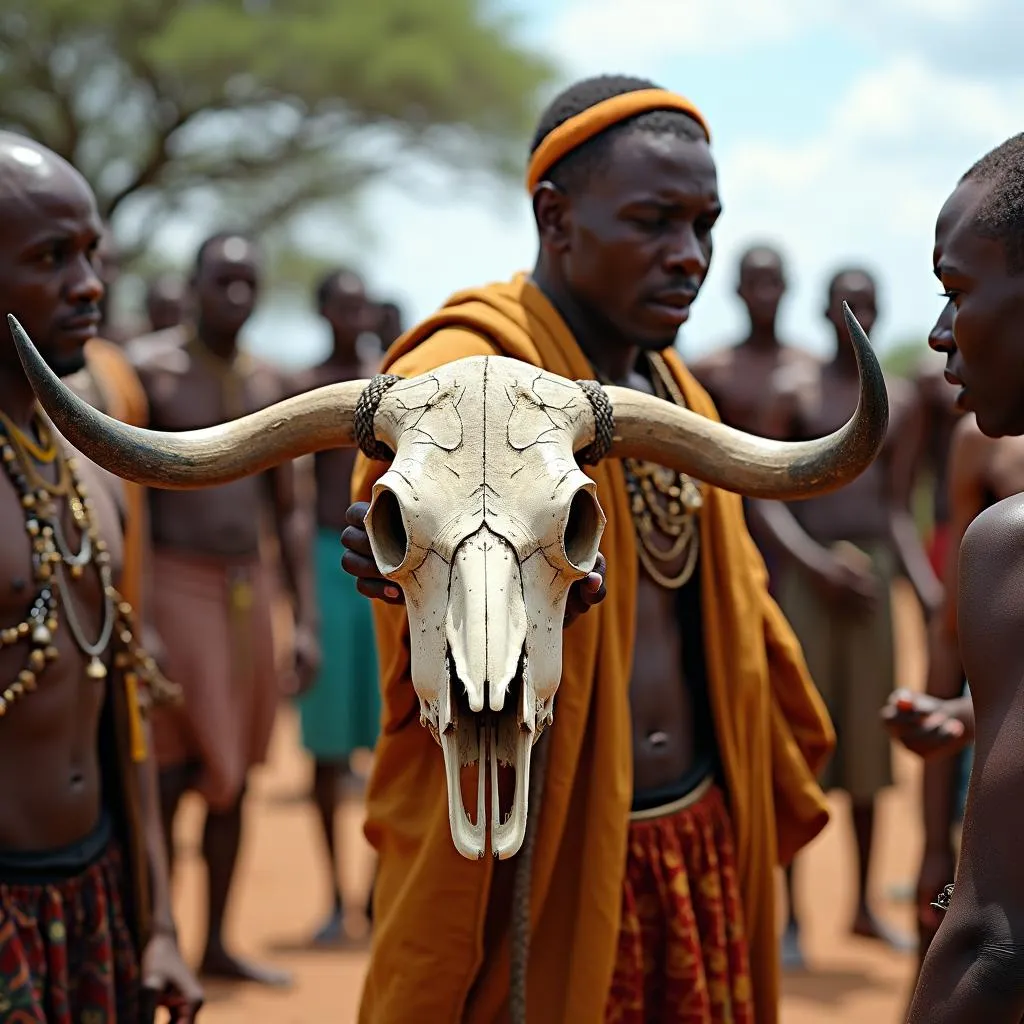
(683, 953)
(66, 952)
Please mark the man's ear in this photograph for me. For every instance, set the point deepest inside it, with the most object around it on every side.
(552, 211)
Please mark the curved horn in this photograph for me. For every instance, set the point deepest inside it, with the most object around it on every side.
(650, 428)
(324, 418)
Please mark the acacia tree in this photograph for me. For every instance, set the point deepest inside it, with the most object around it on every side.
(267, 105)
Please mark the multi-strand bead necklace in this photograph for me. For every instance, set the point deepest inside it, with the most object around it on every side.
(55, 564)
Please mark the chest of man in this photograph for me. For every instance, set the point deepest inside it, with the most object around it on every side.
(196, 397)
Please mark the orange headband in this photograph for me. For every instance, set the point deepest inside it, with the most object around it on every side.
(571, 134)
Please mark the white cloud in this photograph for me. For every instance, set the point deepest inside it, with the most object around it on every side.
(592, 33)
(973, 35)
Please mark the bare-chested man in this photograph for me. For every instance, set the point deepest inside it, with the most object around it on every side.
(973, 969)
(982, 471)
(625, 218)
(745, 380)
(341, 712)
(86, 932)
(838, 556)
(754, 382)
(212, 603)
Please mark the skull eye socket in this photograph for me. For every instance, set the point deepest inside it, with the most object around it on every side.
(385, 527)
(583, 528)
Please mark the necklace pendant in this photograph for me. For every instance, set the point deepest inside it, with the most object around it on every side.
(96, 670)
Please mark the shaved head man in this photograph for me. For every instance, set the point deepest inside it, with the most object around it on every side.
(86, 931)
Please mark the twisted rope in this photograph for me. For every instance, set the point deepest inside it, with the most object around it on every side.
(604, 423)
(520, 951)
(366, 409)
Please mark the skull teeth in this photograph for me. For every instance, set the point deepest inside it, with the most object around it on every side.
(487, 741)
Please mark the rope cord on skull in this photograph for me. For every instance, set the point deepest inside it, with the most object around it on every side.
(366, 409)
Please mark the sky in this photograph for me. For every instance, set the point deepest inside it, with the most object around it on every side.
(838, 129)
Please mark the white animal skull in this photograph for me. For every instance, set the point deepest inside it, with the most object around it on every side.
(484, 518)
(486, 569)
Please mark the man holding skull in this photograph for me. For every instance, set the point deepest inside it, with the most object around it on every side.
(687, 735)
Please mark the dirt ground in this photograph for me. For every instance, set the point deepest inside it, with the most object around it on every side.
(282, 888)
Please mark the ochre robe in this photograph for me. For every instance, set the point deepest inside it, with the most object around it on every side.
(123, 398)
(437, 955)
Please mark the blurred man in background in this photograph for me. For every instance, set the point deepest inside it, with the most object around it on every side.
(340, 714)
(749, 381)
(212, 595)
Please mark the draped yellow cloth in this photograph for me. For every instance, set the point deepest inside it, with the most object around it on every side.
(125, 399)
(440, 952)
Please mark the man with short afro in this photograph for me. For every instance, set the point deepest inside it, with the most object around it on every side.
(681, 763)
(973, 968)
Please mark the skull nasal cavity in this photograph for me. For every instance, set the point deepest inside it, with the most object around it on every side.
(387, 528)
(582, 530)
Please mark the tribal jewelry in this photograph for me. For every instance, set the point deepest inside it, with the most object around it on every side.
(54, 562)
(664, 503)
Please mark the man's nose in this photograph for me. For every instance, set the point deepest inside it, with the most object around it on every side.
(940, 339)
(84, 286)
(686, 253)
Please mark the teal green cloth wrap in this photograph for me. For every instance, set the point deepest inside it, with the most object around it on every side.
(341, 712)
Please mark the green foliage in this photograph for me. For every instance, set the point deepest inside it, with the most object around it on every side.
(262, 107)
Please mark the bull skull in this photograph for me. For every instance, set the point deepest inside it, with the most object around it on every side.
(484, 518)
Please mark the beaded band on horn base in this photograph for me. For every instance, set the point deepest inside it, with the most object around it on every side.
(366, 409)
(604, 424)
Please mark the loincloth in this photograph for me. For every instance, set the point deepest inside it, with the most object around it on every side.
(214, 617)
(852, 661)
(66, 950)
(683, 953)
(341, 712)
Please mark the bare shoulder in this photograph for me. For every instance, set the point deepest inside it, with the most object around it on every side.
(994, 543)
(991, 598)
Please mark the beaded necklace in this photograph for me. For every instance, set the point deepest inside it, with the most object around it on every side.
(664, 503)
(54, 562)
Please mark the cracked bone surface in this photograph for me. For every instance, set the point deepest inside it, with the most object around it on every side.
(485, 520)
